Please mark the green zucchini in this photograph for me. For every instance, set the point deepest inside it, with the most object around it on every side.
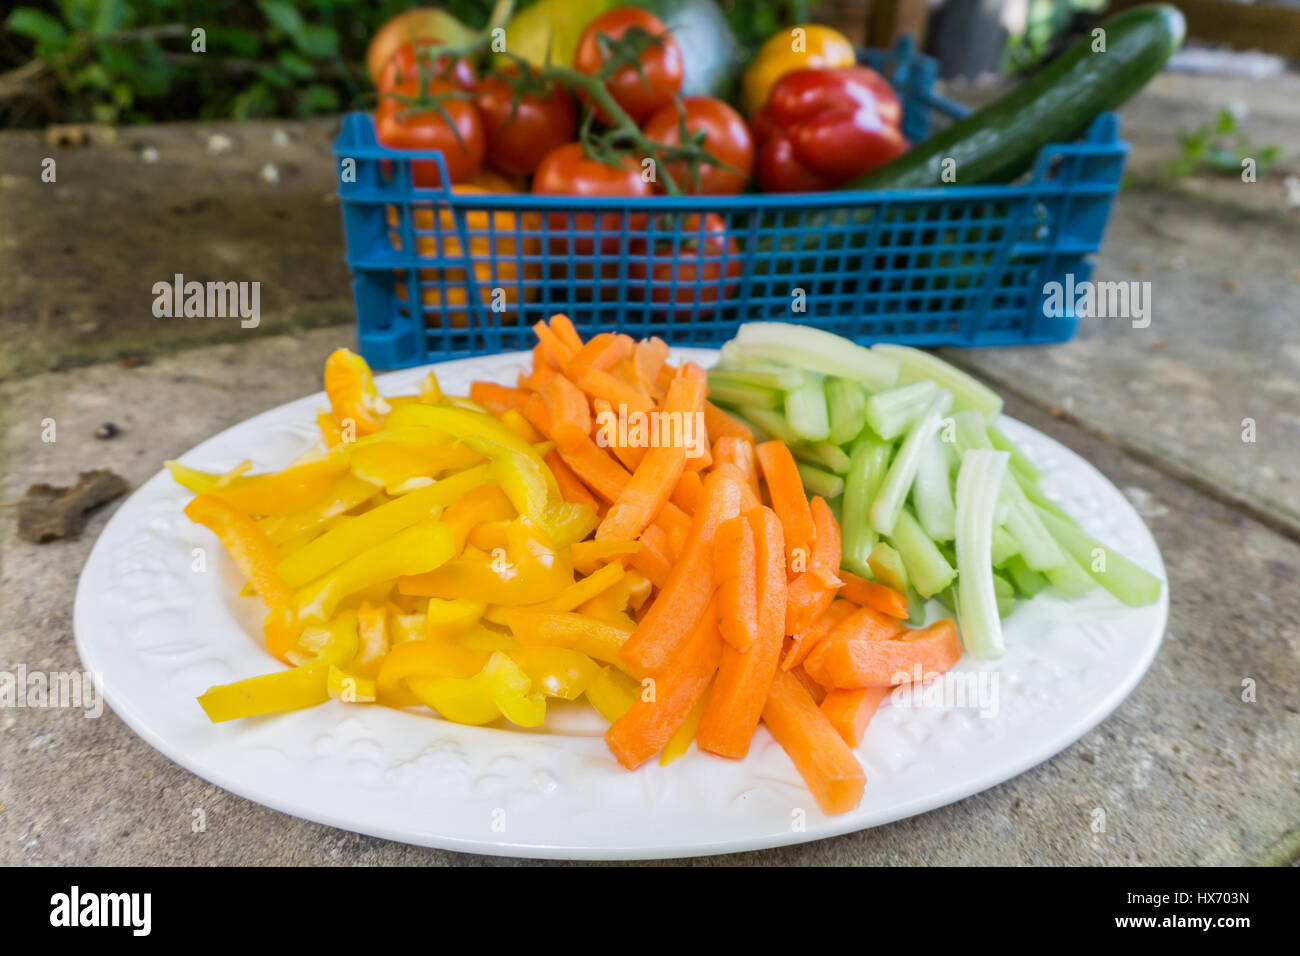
(998, 143)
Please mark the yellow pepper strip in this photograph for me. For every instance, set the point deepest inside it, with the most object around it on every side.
(568, 522)
(631, 591)
(521, 427)
(282, 492)
(349, 688)
(406, 626)
(486, 639)
(501, 688)
(556, 671)
(389, 464)
(430, 389)
(584, 590)
(589, 555)
(294, 689)
(680, 742)
(347, 494)
(573, 631)
(490, 536)
(484, 503)
(255, 556)
(329, 429)
(372, 644)
(423, 659)
(612, 693)
(191, 479)
(375, 527)
(448, 618)
(413, 550)
(529, 571)
(352, 393)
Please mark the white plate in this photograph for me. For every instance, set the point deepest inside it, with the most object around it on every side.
(160, 633)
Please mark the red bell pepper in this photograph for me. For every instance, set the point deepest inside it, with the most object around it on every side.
(822, 128)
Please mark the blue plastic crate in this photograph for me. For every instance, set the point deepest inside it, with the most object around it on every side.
(957, 265)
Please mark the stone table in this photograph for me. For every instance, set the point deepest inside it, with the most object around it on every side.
(1186, 770)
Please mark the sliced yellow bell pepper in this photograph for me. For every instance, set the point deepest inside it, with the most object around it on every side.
(352, 393)
(347, 493)
(529, 571)
(486, 639)
(449, 618)
(484, 503)
(556, 671)
(584, 590)
(612, 693)
(373, 642)
(500, 689)
(576, 632)
(423, 659)
(348, 687)
(389, 464)
(680, 742)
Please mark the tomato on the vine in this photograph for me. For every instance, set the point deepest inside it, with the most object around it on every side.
(726, 138)
(706, 253)
(521, 131)
(569, 171)
(405, 125)
(404, 66)
(639, 91)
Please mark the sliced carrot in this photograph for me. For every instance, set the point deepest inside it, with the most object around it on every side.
(847, 660)
(744, 679)
(534, 410)
(804, 641)
(815, 690)
(687, 492)
(676, 523)
(654, 559)
(822, 758)
(731, 449)
(568, 411)
(648, 358)
(749, 497)
(785, 488)
(601, 384)
(812, 592)
(720, 424)
(601, 473)
(849, 711)
(702, 459)
(563, 328)
(733, 566)
(605, 434)
(557, 350)
(650, 486)
(600, 352)
(540, 357)
(571, 488)
(873, 594)
(536, 380)
(497, 398)
(689, 587)
(664, 705)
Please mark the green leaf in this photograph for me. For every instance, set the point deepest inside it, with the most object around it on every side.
(254, 101)
(39, 25)
(316, 41)
(274, 76)
(295, 65)
(110, 16)
(234, 40)
(317, 98)
(282, 15)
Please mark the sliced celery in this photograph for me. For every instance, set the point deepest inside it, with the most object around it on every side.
(898, 482)
(1028, 582)
(772, 423)
(815, 350)
(845, 402)
(805, 410)
(825, 454)
(887, 567)
(979, 485)
(819, 481)
(915, 365)
(1005, 547)
(1044, 503)
(734, 393)
(1116, 573)
(969, 432)
(1037, 546)
(1005, 605)
(1070, 578)
(932, 492)
(765, 375)
(868, 464)
(1019, 462)
(927, 568)
(891, 413)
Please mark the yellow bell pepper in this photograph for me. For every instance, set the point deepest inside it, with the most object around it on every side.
(347, 493)
(414, 550)
(500, 689)
(348, 687)
(612, 693)
(390, 464)
(372, 639)
(423, 659)
(486, 639)
(449, 618)
(576, 632)
(273, 493)
(804, 47)
(586, 589)
(302, 686)
(407, 627)
(556, 671)
(680, 742)
(353, 397)
(484, 503)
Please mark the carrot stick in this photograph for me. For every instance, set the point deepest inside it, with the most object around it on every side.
(601, 384)
(571, 488)
(744, 679)
(648, 726)
(785, 488)
(812, 591)
(849, 711)
(496, 398)
(563, 329)
(804, 641)
(654, 559)
(557, 350)
(689, 587)
(822, 758)
(730, 449)
(648, 357)
(652, 483)
(815, 690)
(720, 424)
(537, 379)
(873, 594)
(681, 740)
(687, 492)
(749, 499)
(605, 434)
(534, 410)
(733, 566)
(845, 660)
(601, 473)
(600, 352)
(568, 411)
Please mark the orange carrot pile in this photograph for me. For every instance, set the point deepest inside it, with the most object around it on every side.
(750, 617)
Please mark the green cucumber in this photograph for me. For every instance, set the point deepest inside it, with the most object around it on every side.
(998, 143)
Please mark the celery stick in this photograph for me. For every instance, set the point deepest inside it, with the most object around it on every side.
(823, 453)
(819, 481)
(926, 567)
(775, 377)
(771, 422)
(1005, 547)
(1037, 546)
(1028, 582)
(1116, 573)
(734, 393)
(968, 393)
(1019, 462)
(816, 350)
(887, 567)
(1044, 503)
(1005, 605)
(868, 465)
(932, 492)
(898, 482)
(890, 413)
(845, 402)
(969, 432)
(979, 485)
(1070, 578)
(805, 410)
(1002, 586)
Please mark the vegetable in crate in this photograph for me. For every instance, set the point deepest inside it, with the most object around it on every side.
(570, 171)
(803, 47)
(821, 128)
(428, 24)
(653, 77)
(417, 111)
(724, 135)
(704, 253)
(711, 58)
(523, 120)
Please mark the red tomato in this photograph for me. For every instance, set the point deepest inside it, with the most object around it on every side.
(520, 132)
(461, 141)
(706, 253)
(568, 171)
(726, 138)
(403, 66)
(639, 92)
